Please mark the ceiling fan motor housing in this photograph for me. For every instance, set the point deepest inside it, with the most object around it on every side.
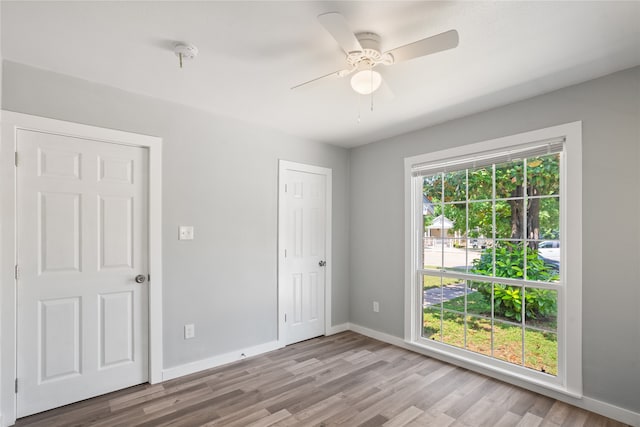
(370, 55)
(369, 41)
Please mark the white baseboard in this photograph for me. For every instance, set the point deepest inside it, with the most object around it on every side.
(608, 410)
(611, 411)
(380, 336)
(336, 329)
(222, 359)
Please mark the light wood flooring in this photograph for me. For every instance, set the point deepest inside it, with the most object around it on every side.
(345, 379)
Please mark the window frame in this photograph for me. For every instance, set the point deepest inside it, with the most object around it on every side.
(569, 377)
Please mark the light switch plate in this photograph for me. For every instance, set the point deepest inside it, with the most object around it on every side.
(185, 232)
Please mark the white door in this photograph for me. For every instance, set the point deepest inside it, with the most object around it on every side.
(82, 320)
(303, 251)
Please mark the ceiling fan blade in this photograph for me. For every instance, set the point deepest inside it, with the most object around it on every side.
(437, 43)
(339, 73)
(337, 26)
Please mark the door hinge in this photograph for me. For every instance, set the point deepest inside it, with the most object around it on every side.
(148, 277)
(16, 386)
(285, 253)
(285, 320)
(17, 272)
(285, 186)
(15, 160)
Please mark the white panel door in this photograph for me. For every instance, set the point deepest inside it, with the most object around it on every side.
(304, 241)
(82, 240)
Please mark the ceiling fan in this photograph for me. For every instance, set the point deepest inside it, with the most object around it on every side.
(364, 54)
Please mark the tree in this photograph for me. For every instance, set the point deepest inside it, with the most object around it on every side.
(542, 213)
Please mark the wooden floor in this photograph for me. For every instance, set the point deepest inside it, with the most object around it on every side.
(345, 379)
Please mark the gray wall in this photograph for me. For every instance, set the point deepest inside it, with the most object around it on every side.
(610, 110)
(220, 176)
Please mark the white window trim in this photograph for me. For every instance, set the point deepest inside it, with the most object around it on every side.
(569, 379)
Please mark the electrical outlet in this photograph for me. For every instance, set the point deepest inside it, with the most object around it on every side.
(185, 232)
(189, 331)
(376, 306)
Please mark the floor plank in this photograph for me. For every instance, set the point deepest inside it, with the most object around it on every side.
(345, 379)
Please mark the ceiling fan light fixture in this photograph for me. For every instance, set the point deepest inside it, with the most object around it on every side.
(366, 81)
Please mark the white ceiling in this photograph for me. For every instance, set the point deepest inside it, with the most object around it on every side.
(251, 53)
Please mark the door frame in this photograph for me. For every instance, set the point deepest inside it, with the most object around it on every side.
(326, 172)
(10, 123)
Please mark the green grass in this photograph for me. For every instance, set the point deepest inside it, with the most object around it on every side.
(431, 282)
(476, 304)
(540, 348)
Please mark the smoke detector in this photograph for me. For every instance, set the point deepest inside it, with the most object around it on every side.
(185, 51)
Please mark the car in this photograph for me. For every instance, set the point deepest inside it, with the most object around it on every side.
(549, 252)
(480, 242)
(549, 249)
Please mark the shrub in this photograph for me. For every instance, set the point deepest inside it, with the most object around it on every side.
(507, 300)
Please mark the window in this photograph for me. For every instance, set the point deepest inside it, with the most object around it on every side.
(488, 281)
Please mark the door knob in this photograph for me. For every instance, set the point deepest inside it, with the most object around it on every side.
(140, 278)
(322, 263)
